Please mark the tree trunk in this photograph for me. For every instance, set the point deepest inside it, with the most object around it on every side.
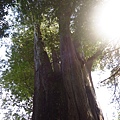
(66, 93)
(43, 76)
(78, 107)
(81, 99)
(49, 101)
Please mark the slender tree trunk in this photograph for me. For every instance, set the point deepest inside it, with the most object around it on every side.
(43, 76)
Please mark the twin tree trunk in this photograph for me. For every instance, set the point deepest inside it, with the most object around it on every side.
(66, 93)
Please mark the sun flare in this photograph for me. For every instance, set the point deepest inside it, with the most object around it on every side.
(108, 19)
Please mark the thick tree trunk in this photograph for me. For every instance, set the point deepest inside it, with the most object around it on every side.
(66, 93)
(78, 107)
(81, 99)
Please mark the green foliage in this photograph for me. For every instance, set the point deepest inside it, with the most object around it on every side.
(50, 35)
(18, 78)
(20, 68)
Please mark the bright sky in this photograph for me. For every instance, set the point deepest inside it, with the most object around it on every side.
(107, 19)
(2, 55)
(107, 24)
(104, 96)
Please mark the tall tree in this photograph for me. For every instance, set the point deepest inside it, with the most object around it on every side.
(62, 91)
(63, 87)
(79, 97)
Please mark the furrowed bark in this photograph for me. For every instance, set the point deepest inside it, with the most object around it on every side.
(55, 59)
(49, 102)
(81, 99)
(90, 91)
(43, 74)
(78, 104)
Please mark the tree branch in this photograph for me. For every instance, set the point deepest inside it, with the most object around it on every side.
(113, 75)
(112, 50)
